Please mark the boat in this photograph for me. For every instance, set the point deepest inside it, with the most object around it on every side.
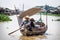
(31, 12)
(35, 31)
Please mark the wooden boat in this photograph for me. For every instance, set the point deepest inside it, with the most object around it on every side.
(34, 31)
(31, 12)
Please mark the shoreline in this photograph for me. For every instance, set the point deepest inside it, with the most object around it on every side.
(50, 14)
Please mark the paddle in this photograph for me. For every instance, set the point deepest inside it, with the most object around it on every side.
(14, 31)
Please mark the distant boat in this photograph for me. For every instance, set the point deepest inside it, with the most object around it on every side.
(56, 20)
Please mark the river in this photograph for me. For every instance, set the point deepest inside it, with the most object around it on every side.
(51, 34)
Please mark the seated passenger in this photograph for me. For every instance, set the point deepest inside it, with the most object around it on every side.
(42, 26)
(32, 24)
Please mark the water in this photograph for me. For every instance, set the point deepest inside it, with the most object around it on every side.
(7, 27)
(51, 34)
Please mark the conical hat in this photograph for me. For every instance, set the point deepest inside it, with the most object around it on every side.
(26, 17)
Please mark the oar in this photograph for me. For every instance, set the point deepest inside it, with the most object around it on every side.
(13, 31)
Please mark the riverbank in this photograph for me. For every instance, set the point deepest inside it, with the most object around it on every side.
(4, 18)
(50, 14)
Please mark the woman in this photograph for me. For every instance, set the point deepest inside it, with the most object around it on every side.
(32, 23)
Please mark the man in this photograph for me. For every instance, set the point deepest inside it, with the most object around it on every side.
(26, 23)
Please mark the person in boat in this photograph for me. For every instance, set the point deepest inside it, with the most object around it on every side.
(32, 23)
(42, 26)
(26, 23)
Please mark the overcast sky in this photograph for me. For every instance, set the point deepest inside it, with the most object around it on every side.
(27, 3)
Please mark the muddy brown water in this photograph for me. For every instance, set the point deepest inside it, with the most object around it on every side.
(53, 32)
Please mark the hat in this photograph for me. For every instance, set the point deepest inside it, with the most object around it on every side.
(26, 17)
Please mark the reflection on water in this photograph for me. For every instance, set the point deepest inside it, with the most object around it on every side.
(51, 34)
(40, 37)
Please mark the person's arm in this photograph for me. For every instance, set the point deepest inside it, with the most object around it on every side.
(22, 24)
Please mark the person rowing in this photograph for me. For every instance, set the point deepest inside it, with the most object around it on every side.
(26, 23)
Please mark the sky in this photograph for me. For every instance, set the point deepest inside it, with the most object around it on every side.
(27, 3)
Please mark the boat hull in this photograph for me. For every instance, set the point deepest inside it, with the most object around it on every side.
(25, 32)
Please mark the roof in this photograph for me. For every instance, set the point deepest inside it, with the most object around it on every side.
(30, 12)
